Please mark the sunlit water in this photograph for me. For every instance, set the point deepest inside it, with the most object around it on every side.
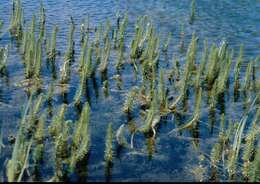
(175, 157)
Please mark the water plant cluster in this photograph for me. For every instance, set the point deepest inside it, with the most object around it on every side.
(208, 78)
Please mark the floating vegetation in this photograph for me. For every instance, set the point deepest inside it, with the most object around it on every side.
(142, 94)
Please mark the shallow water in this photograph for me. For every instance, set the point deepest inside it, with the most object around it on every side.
(175, 156)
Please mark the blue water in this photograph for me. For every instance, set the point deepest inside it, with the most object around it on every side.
(237, 22)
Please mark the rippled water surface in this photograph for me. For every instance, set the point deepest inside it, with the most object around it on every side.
(175, 157)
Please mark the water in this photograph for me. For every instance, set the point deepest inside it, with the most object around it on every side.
(175, 157)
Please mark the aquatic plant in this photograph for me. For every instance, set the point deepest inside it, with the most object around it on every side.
(16, 22)
(233, 157)
(121, 140)
(107, 30)
(1, 26)
(166, 44)
(130, 99)
(20, 157)
(83, 53)
(193, 122)
(162, 91)
(237, 69)
(1, 139)
(61, 148)
(38, 59)
(81, 88)
(248, 74)
(121, 33)
(224, 74)
(254, 168)
(98, 34)
(30, 51)
(152, 116)
(81, 137)
(249, 149)
(39, 139)
(105, 56)
(3, 59)
(202, 65)
(89, 64)
(84, 29)
(218, 62)
(182, 36)
(51, 49)
(42, 21)
(57, 121)
(70, 50)
(152, 101)
(109, 145)
(65, 70)
(193, 11)
(137, 44)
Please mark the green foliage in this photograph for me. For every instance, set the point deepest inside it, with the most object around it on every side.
(193, 11)
(3, 59)
(16, 23)
(109, 144)
(81, 137)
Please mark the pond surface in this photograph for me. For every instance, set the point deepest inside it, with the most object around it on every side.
(175, 157)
